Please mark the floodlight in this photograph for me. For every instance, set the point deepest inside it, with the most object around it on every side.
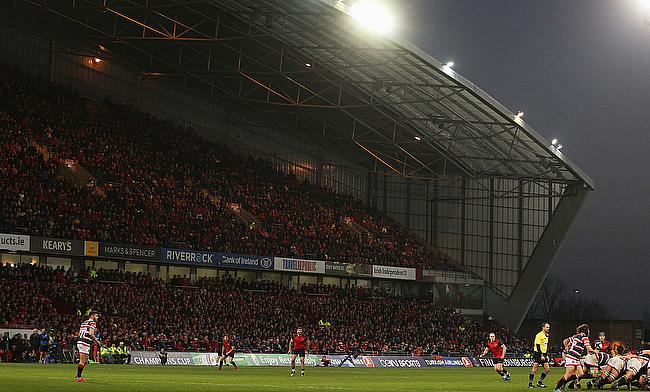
(554, 142)
(450, 64)
(418, 138)
(519, 114)
(373, 16)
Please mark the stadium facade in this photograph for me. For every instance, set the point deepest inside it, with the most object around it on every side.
(300, 83)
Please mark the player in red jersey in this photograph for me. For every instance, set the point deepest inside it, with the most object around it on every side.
(602, 344)
(86, 339)
(499, 352)
(298, 347)
(227, 351)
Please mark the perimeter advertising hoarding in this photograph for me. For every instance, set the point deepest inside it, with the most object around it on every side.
(386, 272)
(211, 359)
(245, 262)
(128, 252)
(299, 265)
(14, 242)
(56, 246)
(193, 257)
(347, 269)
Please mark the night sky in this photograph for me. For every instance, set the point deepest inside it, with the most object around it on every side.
(580, 70)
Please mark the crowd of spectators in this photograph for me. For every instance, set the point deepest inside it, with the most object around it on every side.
(147, 313)
(161, 185)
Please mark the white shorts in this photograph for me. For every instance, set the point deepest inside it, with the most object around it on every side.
(590, 360)
(572, 362)
(635, 364)
(84, 348)
(617, 363)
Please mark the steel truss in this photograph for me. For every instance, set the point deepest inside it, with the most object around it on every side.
(304, 67)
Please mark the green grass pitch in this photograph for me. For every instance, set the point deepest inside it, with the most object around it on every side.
(113, 378)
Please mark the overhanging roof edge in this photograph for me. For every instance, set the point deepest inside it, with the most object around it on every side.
(481, 94)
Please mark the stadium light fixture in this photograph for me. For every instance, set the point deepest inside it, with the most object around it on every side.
(559, 147)
(576, 291)
(519, 115)
(373, 16)
(97, 60)
(553, 142)
(447, 68)
(308, 65)
(418, 138)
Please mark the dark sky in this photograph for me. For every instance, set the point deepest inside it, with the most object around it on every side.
(580, 70)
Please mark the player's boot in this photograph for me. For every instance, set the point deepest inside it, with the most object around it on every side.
(540, 384)
(80, 379)
(530, 385)
(293, 372)
(302, 372)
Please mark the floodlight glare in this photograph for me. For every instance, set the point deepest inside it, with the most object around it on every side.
(373, 16)
(554, 142)
(418, 138)
(450, 64)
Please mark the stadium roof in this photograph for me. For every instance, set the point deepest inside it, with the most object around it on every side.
(307, 68)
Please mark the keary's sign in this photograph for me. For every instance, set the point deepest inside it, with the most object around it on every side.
(56, 246)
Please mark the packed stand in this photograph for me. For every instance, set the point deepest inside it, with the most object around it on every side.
(146, 313)
(164, 186)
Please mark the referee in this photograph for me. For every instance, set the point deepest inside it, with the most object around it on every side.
(540, 356)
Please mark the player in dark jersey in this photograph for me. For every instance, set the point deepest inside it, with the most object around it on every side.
(577, 346)
(498, 350)
(298, 347)
(227, 351)
(85, 341)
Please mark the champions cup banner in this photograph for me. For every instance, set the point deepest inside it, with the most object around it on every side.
(56, 246)
(362, 361)
(14, 242)
(299, 265)
(347, 269)
(386, 272)
(245, 262)
(128, 252)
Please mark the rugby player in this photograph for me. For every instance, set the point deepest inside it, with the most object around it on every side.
(499, 352)
(602, 344)
(577, 347)
(300, 345)
(227, 351)
(86, 339)
(637, 365)
(614, 368)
